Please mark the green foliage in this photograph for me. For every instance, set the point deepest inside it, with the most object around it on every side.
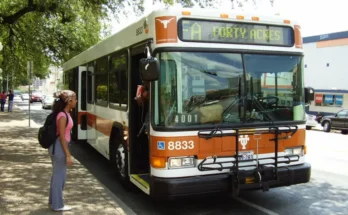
(46, 32)
(102, 93)
(52, 31)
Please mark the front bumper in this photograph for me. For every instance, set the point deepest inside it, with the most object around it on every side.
(221, 183)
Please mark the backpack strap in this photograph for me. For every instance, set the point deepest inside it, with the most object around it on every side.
(67, 121)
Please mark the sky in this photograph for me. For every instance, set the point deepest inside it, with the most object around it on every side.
(315, 16)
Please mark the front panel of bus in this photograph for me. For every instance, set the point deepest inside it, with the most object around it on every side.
(227, 117)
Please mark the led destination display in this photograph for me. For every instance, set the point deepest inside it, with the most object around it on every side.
(235, 32)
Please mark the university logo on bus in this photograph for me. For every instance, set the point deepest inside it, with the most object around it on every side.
(166, 29)
(244, 139)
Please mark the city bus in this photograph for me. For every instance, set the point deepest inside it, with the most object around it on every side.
(226, 107)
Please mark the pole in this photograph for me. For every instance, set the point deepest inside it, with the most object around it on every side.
(7, 82)
(29, 103)
(30, 66)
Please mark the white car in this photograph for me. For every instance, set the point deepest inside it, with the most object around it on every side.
(47, 102)
(311, 122)
(25, 96)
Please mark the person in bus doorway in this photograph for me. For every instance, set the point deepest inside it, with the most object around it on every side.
(142, 99)
(10, 101)
(61, 158)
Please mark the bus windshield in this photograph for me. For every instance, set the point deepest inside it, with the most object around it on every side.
(202, 88)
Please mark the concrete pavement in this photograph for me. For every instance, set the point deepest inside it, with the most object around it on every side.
(25, 171)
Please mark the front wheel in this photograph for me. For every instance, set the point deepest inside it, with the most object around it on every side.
(327, 126)
(308, 128)
(344, 131)
(119, 158)
(122, 161)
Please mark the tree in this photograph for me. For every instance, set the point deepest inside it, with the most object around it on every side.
(129, 8)
(52, 31)
(47, 32)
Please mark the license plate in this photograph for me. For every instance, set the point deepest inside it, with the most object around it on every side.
(245, 156)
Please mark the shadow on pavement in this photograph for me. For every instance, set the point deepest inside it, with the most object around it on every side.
(26, 171)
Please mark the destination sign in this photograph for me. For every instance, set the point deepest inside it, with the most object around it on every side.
(235, 32)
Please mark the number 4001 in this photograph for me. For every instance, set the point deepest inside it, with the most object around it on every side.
(186, 118)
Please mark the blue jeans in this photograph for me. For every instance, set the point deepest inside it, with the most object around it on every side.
(58, 175)
(10, 106)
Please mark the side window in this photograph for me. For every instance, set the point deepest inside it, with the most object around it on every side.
(342, 114)
(90, 84)
(66, 80)
(101, 81)
(118, 84)
(83, 90)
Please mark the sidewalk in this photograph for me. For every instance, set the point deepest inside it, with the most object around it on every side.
(25, 171)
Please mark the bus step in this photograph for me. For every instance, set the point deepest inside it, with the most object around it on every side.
(142, 179)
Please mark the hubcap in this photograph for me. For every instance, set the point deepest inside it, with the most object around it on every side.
(326, 126)
(121, 160)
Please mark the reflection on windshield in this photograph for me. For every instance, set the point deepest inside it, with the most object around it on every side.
(207, 88)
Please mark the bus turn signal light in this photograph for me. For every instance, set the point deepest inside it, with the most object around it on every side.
(298, 37)
(255, 18)
(187, 13)
(157, 162)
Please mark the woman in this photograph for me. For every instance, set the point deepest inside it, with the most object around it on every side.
(61, 158)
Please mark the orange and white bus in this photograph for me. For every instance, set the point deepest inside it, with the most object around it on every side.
(226, 106)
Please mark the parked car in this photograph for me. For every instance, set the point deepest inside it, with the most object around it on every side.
(339, 121)
(35, 97)
(25, 96)
(311, 121)
(47, 102)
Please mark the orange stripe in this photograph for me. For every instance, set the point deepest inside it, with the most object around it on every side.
(102, 125)
(331, 43)
(224, 146)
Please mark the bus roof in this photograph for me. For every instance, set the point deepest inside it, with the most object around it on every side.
(144, 29)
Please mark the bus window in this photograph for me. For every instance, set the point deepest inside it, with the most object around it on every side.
(83, 90)
(118, 84)
(90, 85)
(194, 87)
(168, 88)
(101, 82)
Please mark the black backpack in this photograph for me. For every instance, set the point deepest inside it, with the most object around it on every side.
(47, 133)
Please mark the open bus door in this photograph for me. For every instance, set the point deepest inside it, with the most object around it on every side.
(81, 104)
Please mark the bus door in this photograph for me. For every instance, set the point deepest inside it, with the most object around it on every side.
(90, 107)
(81, 104)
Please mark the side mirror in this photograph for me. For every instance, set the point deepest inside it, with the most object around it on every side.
(309, 94)
(149, 69)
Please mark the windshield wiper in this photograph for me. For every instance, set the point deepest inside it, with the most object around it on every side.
(262, 110)
(201, 102)
(231, 105)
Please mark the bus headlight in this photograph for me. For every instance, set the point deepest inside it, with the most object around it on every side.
(294, 151)
(181, 162)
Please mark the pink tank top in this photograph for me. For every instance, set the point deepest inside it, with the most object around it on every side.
(68, 127)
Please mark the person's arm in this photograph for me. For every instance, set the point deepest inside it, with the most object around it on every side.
(145, 95)
(61, 130)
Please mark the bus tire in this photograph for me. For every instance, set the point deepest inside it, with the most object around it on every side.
(119, 157)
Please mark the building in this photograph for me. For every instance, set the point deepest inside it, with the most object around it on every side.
(53, 82)
(326, 69)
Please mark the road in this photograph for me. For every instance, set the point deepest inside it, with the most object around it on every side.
(37, 114)
(326, 193)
